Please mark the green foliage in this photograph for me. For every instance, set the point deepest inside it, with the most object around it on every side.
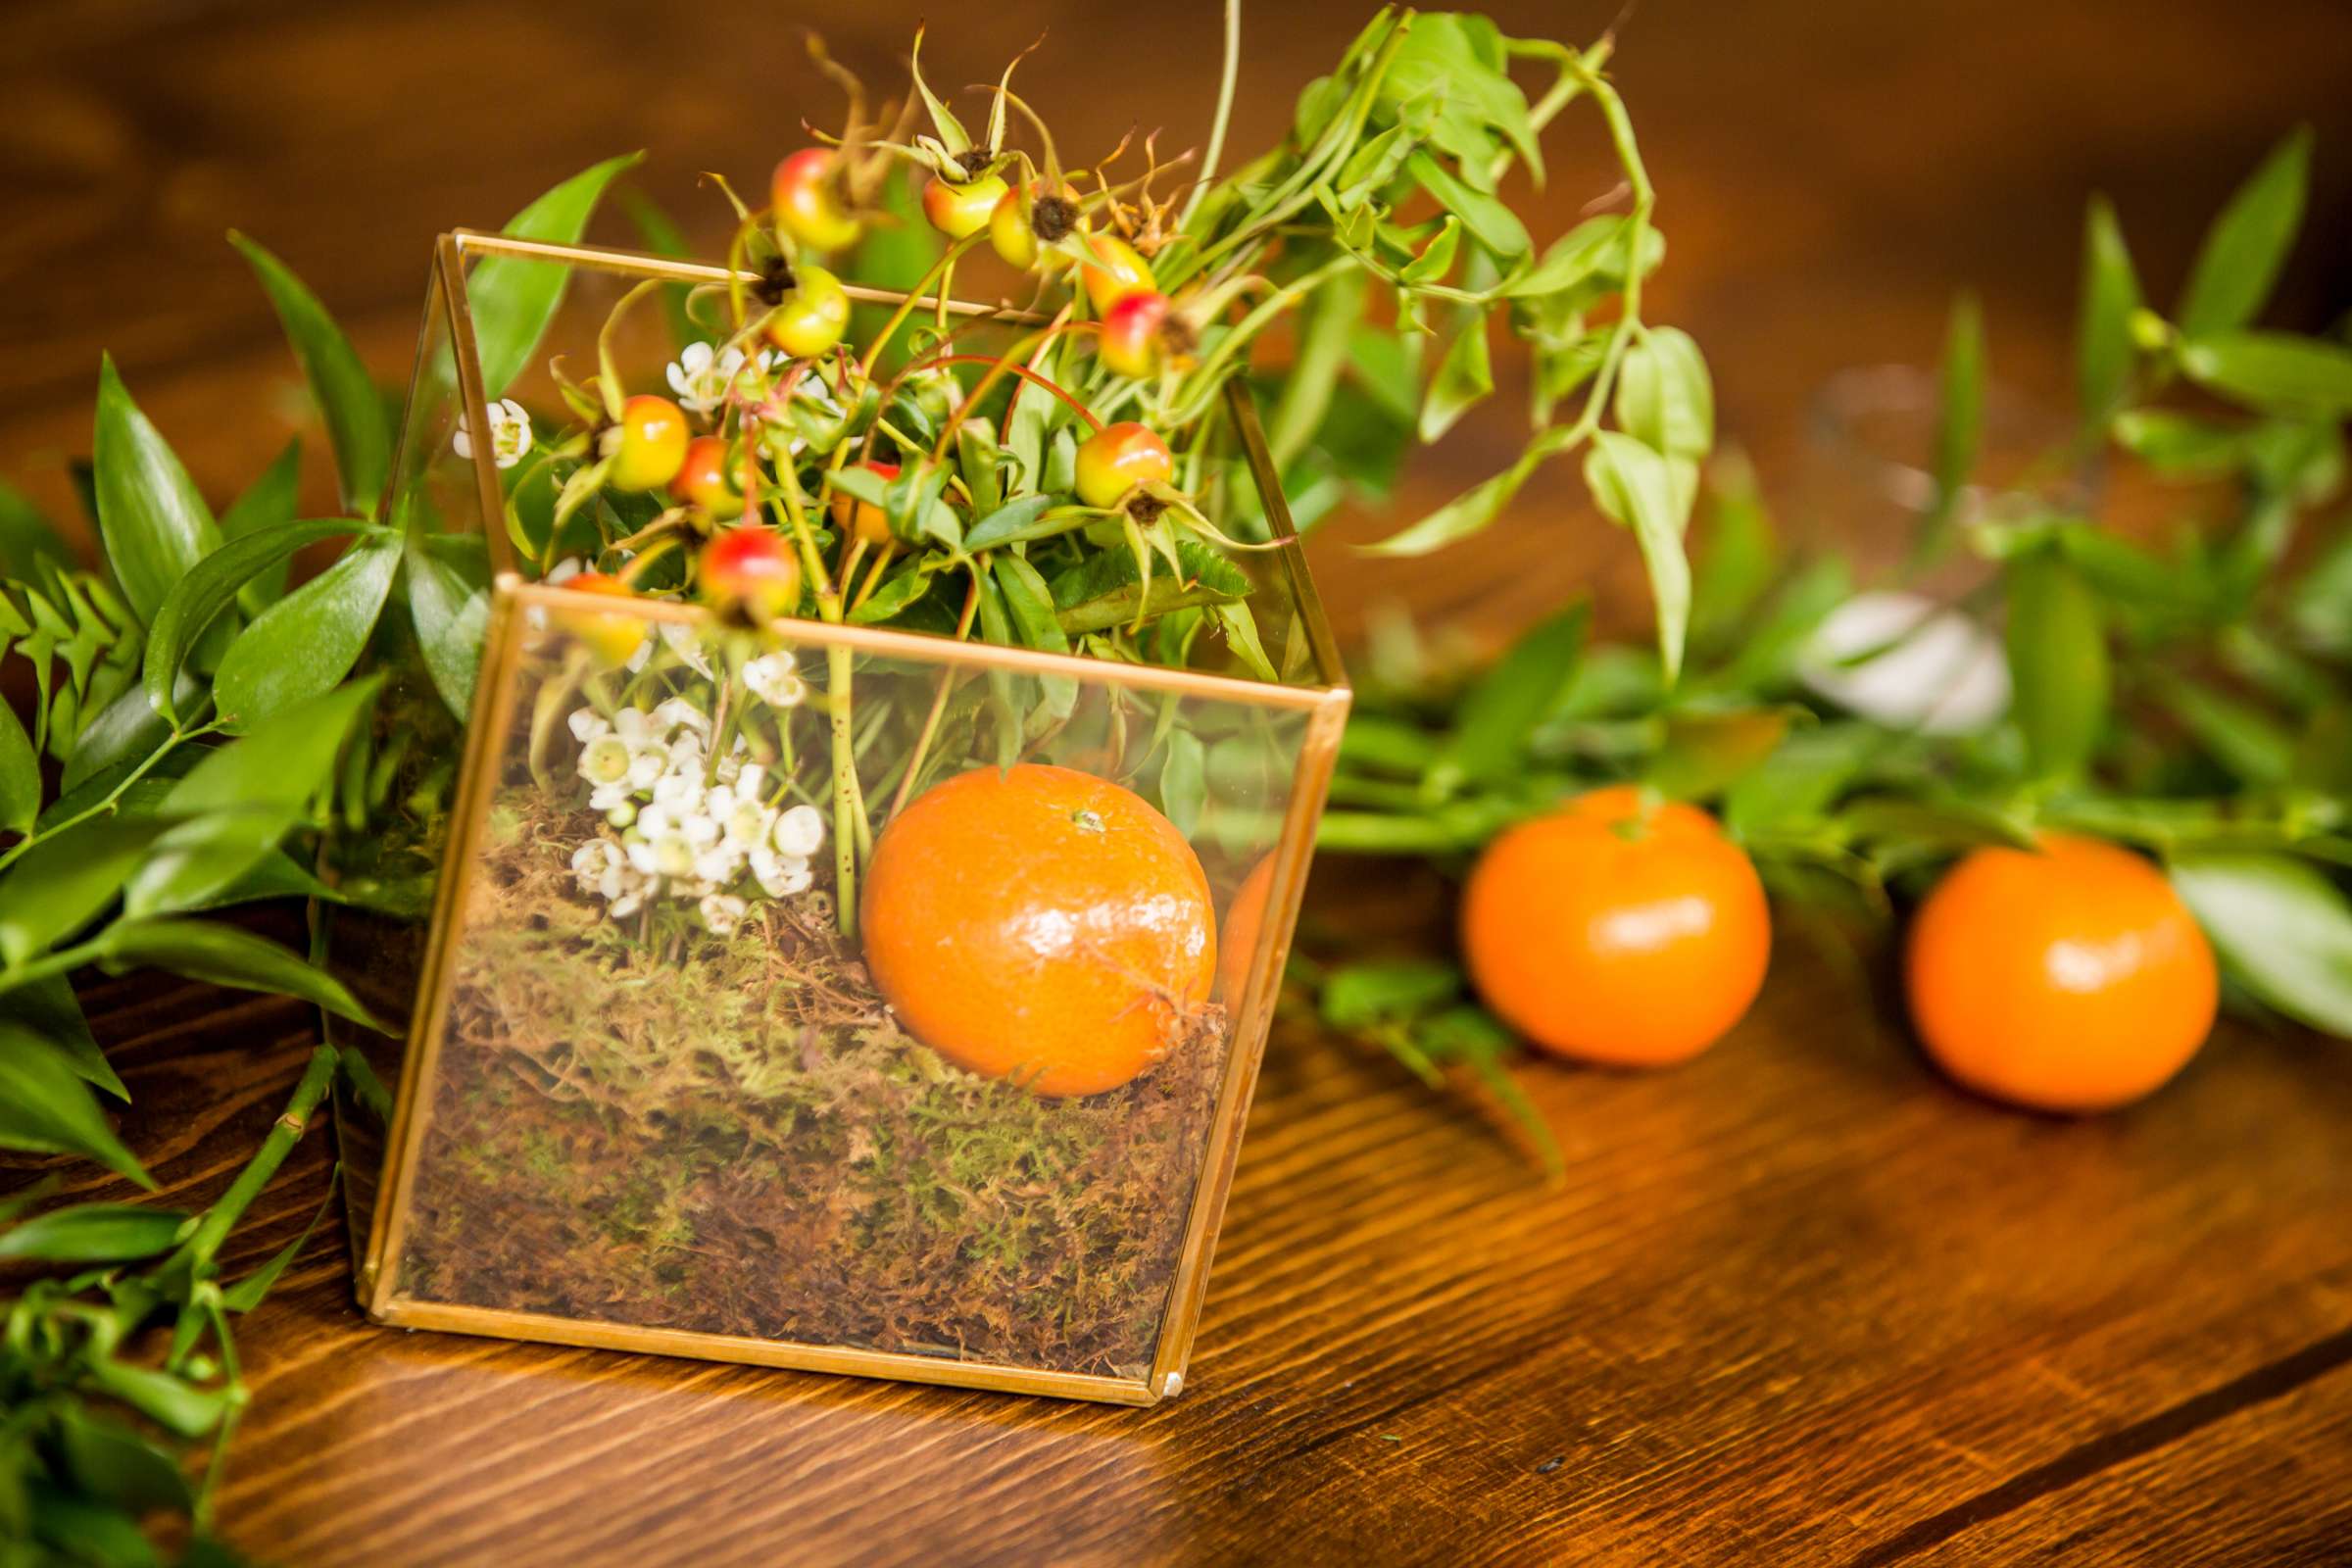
(2193, 702)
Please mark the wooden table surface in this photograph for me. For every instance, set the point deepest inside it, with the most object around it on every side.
(1799, 1302)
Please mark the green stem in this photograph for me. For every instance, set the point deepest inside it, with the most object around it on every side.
(1216, 132)
(846, 837)
(292, 1122)
(176, 738)
(1202, 383)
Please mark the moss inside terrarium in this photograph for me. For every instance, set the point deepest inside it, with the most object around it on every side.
(635, 1118)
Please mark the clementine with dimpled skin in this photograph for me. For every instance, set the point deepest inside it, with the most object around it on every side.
(2073, 979)
(1041, 925)
(1617, 929)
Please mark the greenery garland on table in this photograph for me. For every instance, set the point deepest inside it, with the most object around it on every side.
(2185, 692)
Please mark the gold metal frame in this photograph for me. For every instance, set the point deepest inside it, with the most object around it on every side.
(1325, 704)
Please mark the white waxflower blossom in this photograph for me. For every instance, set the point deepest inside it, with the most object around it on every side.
(686, 646)
(605, 760)
(776, 680)
(722, 912)
(702, 376)
(1940, 671)
(620, 813)
(779, 875)
(799, 832)
(680, 714)
(509, 433)
(587, 724)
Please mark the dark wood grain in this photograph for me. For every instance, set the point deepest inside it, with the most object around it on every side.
(1799, 1302)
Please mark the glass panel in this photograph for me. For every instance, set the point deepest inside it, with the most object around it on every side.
(670, 1089)
(387, 863)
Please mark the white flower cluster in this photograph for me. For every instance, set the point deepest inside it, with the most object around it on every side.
(509, 433)
(701, 377)
(684, 829)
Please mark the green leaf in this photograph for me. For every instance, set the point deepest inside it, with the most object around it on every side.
(2249, 243)
(61, 881)
(513, 300)
(1019, 519)
(910, 584)
(1361, 995)
(2058, 665)
(171, 1402)
(1437, 257)
(1959, 424)
(111, 1462)
(2320, 606)
(226, 955)
(1497, 714)
(1184, 781)
(51, 1010)
(1489, 222)
(2104, 353)
(1800, 778)
(197, 861)
(1705, 752)
(1239, 628)
(1590, 260)
(1664, 397)
(154, 524)
(1635, 486)
(126, 730)
(1106, 588)
(1465, 515)
(2179, 445)
(46, 1107)
(20, 773)
(1742, 554)
(354, 410)
(307, 642)
(83, 1532)
(27, 538)
(1464, 378)
(93, 1233)
(449, 604)
(2274, 371)
(268, 503)
(209, 588)
(2251, 744)
(247, 1292)
(1939, 825)
(2283, 928)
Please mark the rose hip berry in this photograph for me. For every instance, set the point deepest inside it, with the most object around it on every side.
(863, 518)
(1028, 219)
(715, 476)
(611, 638)
(808, 207)
(1133, 333)
(961, 208)
(1112, 271)
(811, 316)
(1116, 458)
(647, 444)
(751, 569)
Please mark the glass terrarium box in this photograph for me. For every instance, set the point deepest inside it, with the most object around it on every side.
(879, 993)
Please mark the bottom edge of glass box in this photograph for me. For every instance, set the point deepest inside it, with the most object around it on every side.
(507, 1324)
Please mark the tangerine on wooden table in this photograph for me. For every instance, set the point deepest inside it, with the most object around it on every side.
(2071, 979)
(1618, 929)
(1040, 924)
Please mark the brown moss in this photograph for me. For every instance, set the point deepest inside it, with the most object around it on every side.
(736, 1138)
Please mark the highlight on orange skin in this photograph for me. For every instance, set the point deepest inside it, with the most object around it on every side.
(1041, 925)
(1618, 930)
(2073, 980)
